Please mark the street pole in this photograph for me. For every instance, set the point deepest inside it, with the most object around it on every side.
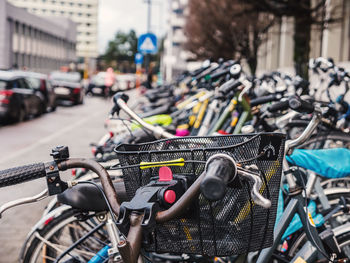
(147, 57)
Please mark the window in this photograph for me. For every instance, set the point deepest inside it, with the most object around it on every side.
(71, 3)
(79, 14)
(17, 27)
(23, 84)
(88, 24)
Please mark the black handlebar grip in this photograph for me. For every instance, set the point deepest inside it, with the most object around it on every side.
(229, 85)
(263, 100)
(219, 74)
(297, 104)
(22, 174)
(118, 95)
(220, 170)
(282, 105)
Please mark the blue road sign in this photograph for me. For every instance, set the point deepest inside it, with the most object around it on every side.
(138, 58)
(147, 43)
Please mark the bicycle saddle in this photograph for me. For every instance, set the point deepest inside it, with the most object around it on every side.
(330, 163)
(87, 197)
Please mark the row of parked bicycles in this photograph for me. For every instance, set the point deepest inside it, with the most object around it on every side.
(219, 166)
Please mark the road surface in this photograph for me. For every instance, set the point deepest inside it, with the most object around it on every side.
(32, 141)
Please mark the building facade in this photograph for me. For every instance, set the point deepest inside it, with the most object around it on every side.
(331, 42)
(175, 59)
(33, 42)
(83, 12)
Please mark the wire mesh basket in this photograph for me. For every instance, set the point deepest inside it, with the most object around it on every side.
(231, 226)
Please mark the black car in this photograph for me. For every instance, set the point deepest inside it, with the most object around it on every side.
(67, 86)
(97, 85)
(18, 99)
(41, 83)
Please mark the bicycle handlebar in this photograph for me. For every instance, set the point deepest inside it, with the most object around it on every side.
(218, 172)
(220, 169)
(265, 99)
(120, 103)
(22, 174)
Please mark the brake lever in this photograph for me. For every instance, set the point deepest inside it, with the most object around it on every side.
(25, 200)
(247, 86)
(257, 183)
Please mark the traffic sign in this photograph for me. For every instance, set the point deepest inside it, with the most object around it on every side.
(147, 43)
(138, 58)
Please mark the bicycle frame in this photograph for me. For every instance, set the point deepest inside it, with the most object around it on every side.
(296, 205)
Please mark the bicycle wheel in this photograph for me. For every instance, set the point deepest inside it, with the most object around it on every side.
(342, 235)
(61, 232)
(341, 231)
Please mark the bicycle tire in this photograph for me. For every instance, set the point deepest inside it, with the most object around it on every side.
(299, 241)
(37, 249)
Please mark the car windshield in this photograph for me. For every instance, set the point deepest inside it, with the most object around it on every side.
(62, 76)
(3, 84)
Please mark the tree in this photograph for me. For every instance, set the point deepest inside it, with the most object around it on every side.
(122, 50)
(305, 13)
(226, 29)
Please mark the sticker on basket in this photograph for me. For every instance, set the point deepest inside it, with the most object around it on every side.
(177, 162)
(271, 146)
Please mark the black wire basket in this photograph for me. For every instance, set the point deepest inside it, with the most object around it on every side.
(231, 226)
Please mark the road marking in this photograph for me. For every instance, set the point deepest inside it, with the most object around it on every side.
(48, 138)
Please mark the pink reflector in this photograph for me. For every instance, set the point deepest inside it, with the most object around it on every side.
(169, 196)
(165, 174)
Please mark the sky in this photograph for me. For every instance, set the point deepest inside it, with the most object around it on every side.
(115, 15)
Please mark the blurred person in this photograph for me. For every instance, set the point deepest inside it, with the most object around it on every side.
(109, 81)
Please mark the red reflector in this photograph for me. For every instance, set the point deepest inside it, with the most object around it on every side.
(76, 91)
(169, 196)
(165, 174)
(93, 150)
(111, 134)
(74, 172)
(5, 101)
(47, 221)
(222, 132)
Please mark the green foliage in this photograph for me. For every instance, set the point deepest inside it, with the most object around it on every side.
(121, 50)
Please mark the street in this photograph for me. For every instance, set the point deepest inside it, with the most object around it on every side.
(31, 142)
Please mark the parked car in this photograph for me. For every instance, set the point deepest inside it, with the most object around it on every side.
(97, 85)
(41, 83)
(126, 81)
(18, 99)
(67, 86)
(103, 83)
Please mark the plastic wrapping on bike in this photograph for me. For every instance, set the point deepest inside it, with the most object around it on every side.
(231, 226)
